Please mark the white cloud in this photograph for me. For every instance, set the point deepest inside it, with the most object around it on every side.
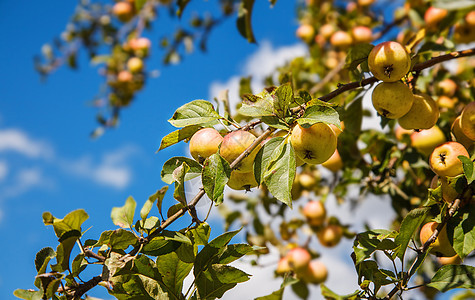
(18, 141)
(3, 170)
(24, 181)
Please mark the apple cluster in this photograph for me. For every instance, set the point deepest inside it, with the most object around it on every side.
(299, 261)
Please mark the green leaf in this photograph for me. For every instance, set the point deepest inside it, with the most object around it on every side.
(63, 251)
(261, 162)
(181, 7)
(177, 136)
(218, 279)
(366, 243)
(300, 289)
(179, 178)
(454, 5)
(357, 54)
(461, 229)
(409, 225)
(201, 234)
(124, 216)
(453, 276)
(330, 295)
(468, 169)
(139, 4)
(256, 106)
(235, 252)
(159, 246)
(173, 271)
(319, 113)
(158, 196)
(216, 173)
(174, 209)
(71, 221)
(28, 294)
(276, 295)
(243, 21)
(283, 97)
(78, 265)
(42, 258)
(196, 112)
(170, 165)
(369, 270)
(280, 173)
(275, 122)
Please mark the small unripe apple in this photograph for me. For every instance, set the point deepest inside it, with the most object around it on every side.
(446, 103)
(316, 273)
(467, 120)
(341, 39)
(389, 61)
(125, 77)
(441, 246)
(444, 159)
(459, 135)
(204, 143)
(234, 144)
(452, 260)
(283, 266)
(307, 181)
(433, 16)
(423, 114)
(470, 18)
(242, 181)
(305, 32)
(315, 144)
(327, 30)
(330, 235)
(362, 34)
(298, 259)
(425, 141)
(334, 163)
(124, 11)
(135, 65)
(447, 87)
(314, 212)
(392, 99)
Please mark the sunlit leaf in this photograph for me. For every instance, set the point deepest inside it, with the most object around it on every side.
(409, 225)
(244, 20)
(178, 135)
(179, 179)
(124, 216)
(453, 276)
(170, 165)
(216, 173)
(319, 113)
(196, 112)
(461, 229)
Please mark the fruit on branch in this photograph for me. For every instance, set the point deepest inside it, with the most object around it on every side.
(470, 18)
(446, 103)
(392, 99)
(298, 259)
(306, 32)
(314, 144)
(283, 266)
(330, 236)
(234, 144)
(425, 141)
(433, 16)
(362, 34)
(341, 39)
(242, 181)
(460, 135)
(124, 11)
(140, 46)
(337, 130)
(135, 65)
(444, 159)
(389, 61)
(334, 163)
(326, 31)
(447, 87)
(441, 246)
(307, 181)
(204, 143)
(314, 212)
(423, 114)
(365, 2)
(400, 132)
(124, 77)
(452, 260)
(467, 120)
(315, 273)
(464, 33)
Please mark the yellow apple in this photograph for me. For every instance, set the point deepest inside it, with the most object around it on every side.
(441, 246)
(447, 86)
(423, 114)
(124, 11)
(467, 120)
(314, 212)
(242, 181)
(315, 273)
(389, 61)
(444, 159)
(433, 16)
(452, 260)
(334, 163)
(234, 144)
(392, 99)
(330, 235)
(341, 39)
(459, 135)
(305, 32)
(298, 259)
(426, 140)
(125, 77)
(315, 144)
(135, 65)
(283, 266)
(204, 143)
(326, 31)
(362, 34)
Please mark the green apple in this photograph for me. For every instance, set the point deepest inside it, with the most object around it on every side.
(467, 120)
(234, 144)
(423, 114)
(425, 141)
(389, 61)
(392, 99)
(242, 181)
(314, 144)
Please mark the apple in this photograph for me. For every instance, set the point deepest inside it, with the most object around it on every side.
(441, 246)
(365, 2)
(446, 103)
(460, 135)
(326, 31)
(423, 114)
(204, 143)
(234, 144)
(283, 266)
(451, 260)
(140, 44)
(433, 16)
(447, 86)
(314, 144)
(135, 65)
(362, 34)
(307, 181)
(314, 212)
(470, 18)
(467, 120)
(425, 141)
(124, 11)
(306, 32)
(444, 159)
(125, 77)
(449, 194)
(400, 132)
(464, 33)
(392, 99)
(389, 61)
(351, 7)
(298, 259)
(341, 39)
(242, 181)
(334, 163)
(315, 273)
(330, 235)
(337, 130)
